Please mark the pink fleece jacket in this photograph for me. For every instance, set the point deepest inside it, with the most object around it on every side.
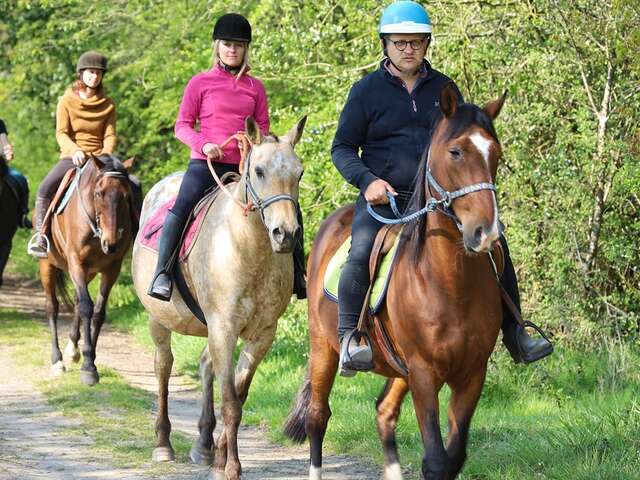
(220, 104)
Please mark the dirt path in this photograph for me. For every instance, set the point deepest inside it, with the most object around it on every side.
(260, 458)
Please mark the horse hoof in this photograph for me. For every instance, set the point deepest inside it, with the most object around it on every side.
(200, 455)
(89, 378)
(71, 351)
(215, 474)
(58, 368)
(163, 454)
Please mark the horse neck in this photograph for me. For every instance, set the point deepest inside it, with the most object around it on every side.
(443, 255)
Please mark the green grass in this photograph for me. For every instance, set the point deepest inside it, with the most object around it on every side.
(572, 416)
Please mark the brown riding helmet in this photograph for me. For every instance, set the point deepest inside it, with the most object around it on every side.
(93, 60)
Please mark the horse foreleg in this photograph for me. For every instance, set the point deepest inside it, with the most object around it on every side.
(252, 354)
(202, 449)
(107, 279)
(388, 412)
(51, 305)
(5, 250)
(163, 361)
(465, 393)
(424, 390)
(88, 371)
(71, 350)
(221, 346)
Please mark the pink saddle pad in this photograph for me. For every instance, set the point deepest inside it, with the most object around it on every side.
(152, 229)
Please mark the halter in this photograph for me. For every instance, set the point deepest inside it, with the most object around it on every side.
(442, 205)
(93, 224)
(256, 202)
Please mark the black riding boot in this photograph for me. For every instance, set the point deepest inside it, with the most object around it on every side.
(162, 284)
(299, 269)
(39, 244)
(352, 290)
(521, 346)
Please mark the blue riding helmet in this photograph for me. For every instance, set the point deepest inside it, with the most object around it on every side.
(404, 16)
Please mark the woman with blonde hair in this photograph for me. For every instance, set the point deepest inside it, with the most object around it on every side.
(219, 100)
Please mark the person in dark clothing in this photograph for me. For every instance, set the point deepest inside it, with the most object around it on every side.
(383, 130)
(17, 179)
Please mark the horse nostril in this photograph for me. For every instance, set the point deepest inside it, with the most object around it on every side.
(278, 234)
(477, 235)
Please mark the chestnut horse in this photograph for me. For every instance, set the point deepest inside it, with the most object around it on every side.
(91, 235)
(443, 309)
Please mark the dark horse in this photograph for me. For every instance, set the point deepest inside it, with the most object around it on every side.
(91, 236)
(9, 216)
(443, 309)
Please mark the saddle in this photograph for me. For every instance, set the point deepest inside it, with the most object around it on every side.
(150, 236)
(65, 191)
(381, 263)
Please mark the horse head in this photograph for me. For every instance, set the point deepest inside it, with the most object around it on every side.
(463, 161)
(272, 173)
(112, 199)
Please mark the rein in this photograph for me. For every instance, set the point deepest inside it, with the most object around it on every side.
(256, 203)
(442, 205)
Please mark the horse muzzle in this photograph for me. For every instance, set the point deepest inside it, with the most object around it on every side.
(108, 248)
(480, 238)
(282, 240)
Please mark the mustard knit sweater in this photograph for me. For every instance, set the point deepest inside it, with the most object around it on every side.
(88, 125)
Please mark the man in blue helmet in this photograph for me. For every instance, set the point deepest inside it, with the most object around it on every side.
(388, 118)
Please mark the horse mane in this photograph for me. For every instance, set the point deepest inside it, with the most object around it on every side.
(466, 116)
(112, 164)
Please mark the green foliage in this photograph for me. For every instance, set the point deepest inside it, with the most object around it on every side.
(550, 55)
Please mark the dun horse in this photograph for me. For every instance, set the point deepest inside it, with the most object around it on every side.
(240, 270)
(443, 309)
(91, 236)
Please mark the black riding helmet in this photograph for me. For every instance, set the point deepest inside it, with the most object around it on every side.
(93, 60)
(232, 26)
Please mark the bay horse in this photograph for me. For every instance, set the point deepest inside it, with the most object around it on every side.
(9, 216)
(240, 270)
(443, 310)
(92, 235)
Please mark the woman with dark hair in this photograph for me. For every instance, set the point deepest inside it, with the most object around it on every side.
(85, 124)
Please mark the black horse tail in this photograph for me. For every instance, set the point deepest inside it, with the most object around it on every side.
(294, 427)
(63, 292)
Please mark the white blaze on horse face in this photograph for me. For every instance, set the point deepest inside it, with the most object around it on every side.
(483, 144)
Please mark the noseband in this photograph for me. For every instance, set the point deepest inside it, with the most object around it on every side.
(442, 205)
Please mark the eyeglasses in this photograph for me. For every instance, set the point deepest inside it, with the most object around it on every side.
(402, 44)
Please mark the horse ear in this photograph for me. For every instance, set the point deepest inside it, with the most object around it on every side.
(493, 108)
(99, 163)
(128, 163)
(448, 100)
(253, 131)
(293, 136)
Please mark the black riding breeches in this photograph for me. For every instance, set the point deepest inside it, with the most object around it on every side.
(195, 183)
(51, 182)
(354, 279)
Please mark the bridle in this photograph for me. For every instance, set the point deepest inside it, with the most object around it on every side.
(252, 200)
(442, 204)
(94, 223)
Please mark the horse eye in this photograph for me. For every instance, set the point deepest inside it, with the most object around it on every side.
(259, 172)
(98, 194)
(456, 153)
